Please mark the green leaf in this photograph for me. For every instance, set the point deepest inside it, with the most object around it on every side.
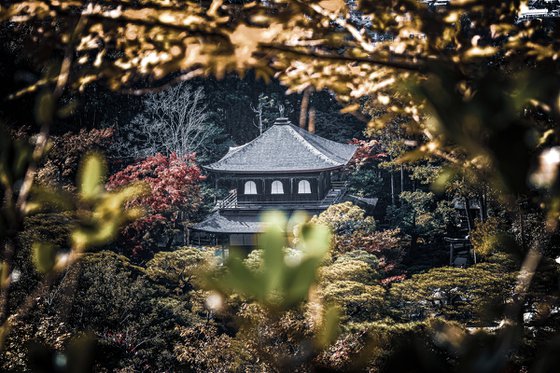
(443, 179)
(101, 233)
(329, 329)
(300, 279)
(316, 239)
(91, 176)
(245, 281)
(273, 242)
(43, 198)
(44, 108)
(44, 256)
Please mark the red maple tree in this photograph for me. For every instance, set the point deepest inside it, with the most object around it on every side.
(368, 150)
(174, 197)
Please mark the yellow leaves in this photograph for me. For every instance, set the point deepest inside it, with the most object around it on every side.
(350, 108)
(4, 275)
(101, 223)
(501, 29)
(477, 52)
(213, 11)
(88, 42)
(452, 17)
(168, 17)
(541, 52)
(260, 19)
(383, 99)
(98, 234)
(157, 39)
(547, 171)
(43, 198)
(100, 213)
(442, 180)
(246, 40)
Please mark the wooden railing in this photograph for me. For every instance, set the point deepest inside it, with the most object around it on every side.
(229, 202)
(339, 184)
(337, 192)
(342, 186)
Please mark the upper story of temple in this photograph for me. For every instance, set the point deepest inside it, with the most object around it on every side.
(285, 167)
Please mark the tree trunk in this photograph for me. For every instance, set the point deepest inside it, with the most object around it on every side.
(467, 211)
(482, 213)
(483, 204)
(304, 107)
(414, 235)
(521, 225)
(402, 179)
(392, 187)
(311, 124)
(260, 122)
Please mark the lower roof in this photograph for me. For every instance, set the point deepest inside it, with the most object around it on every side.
(218, 223)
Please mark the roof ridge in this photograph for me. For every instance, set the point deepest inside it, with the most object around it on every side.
(318, 139)
(313, 148)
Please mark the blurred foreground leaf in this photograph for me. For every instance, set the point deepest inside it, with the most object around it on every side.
(44, 256)
(283, 281)
(91, 176)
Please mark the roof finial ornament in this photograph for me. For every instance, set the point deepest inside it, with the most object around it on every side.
(281, 110)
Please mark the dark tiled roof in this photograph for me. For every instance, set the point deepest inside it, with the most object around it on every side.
(285, 148)
(368, 201)
(218, 223)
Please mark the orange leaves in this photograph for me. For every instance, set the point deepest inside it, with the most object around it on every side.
(335, 6)
(324, 43)
(246, 40)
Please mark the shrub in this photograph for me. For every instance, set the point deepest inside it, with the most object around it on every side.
(179, 270)
(358, 266)
(385, 245)
(487, 236)
(344, 219)
(358, 301)
(461, 294)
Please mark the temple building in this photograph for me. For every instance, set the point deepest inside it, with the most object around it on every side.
(285, 168)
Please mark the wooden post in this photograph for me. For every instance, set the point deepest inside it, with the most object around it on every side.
(292, 191)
